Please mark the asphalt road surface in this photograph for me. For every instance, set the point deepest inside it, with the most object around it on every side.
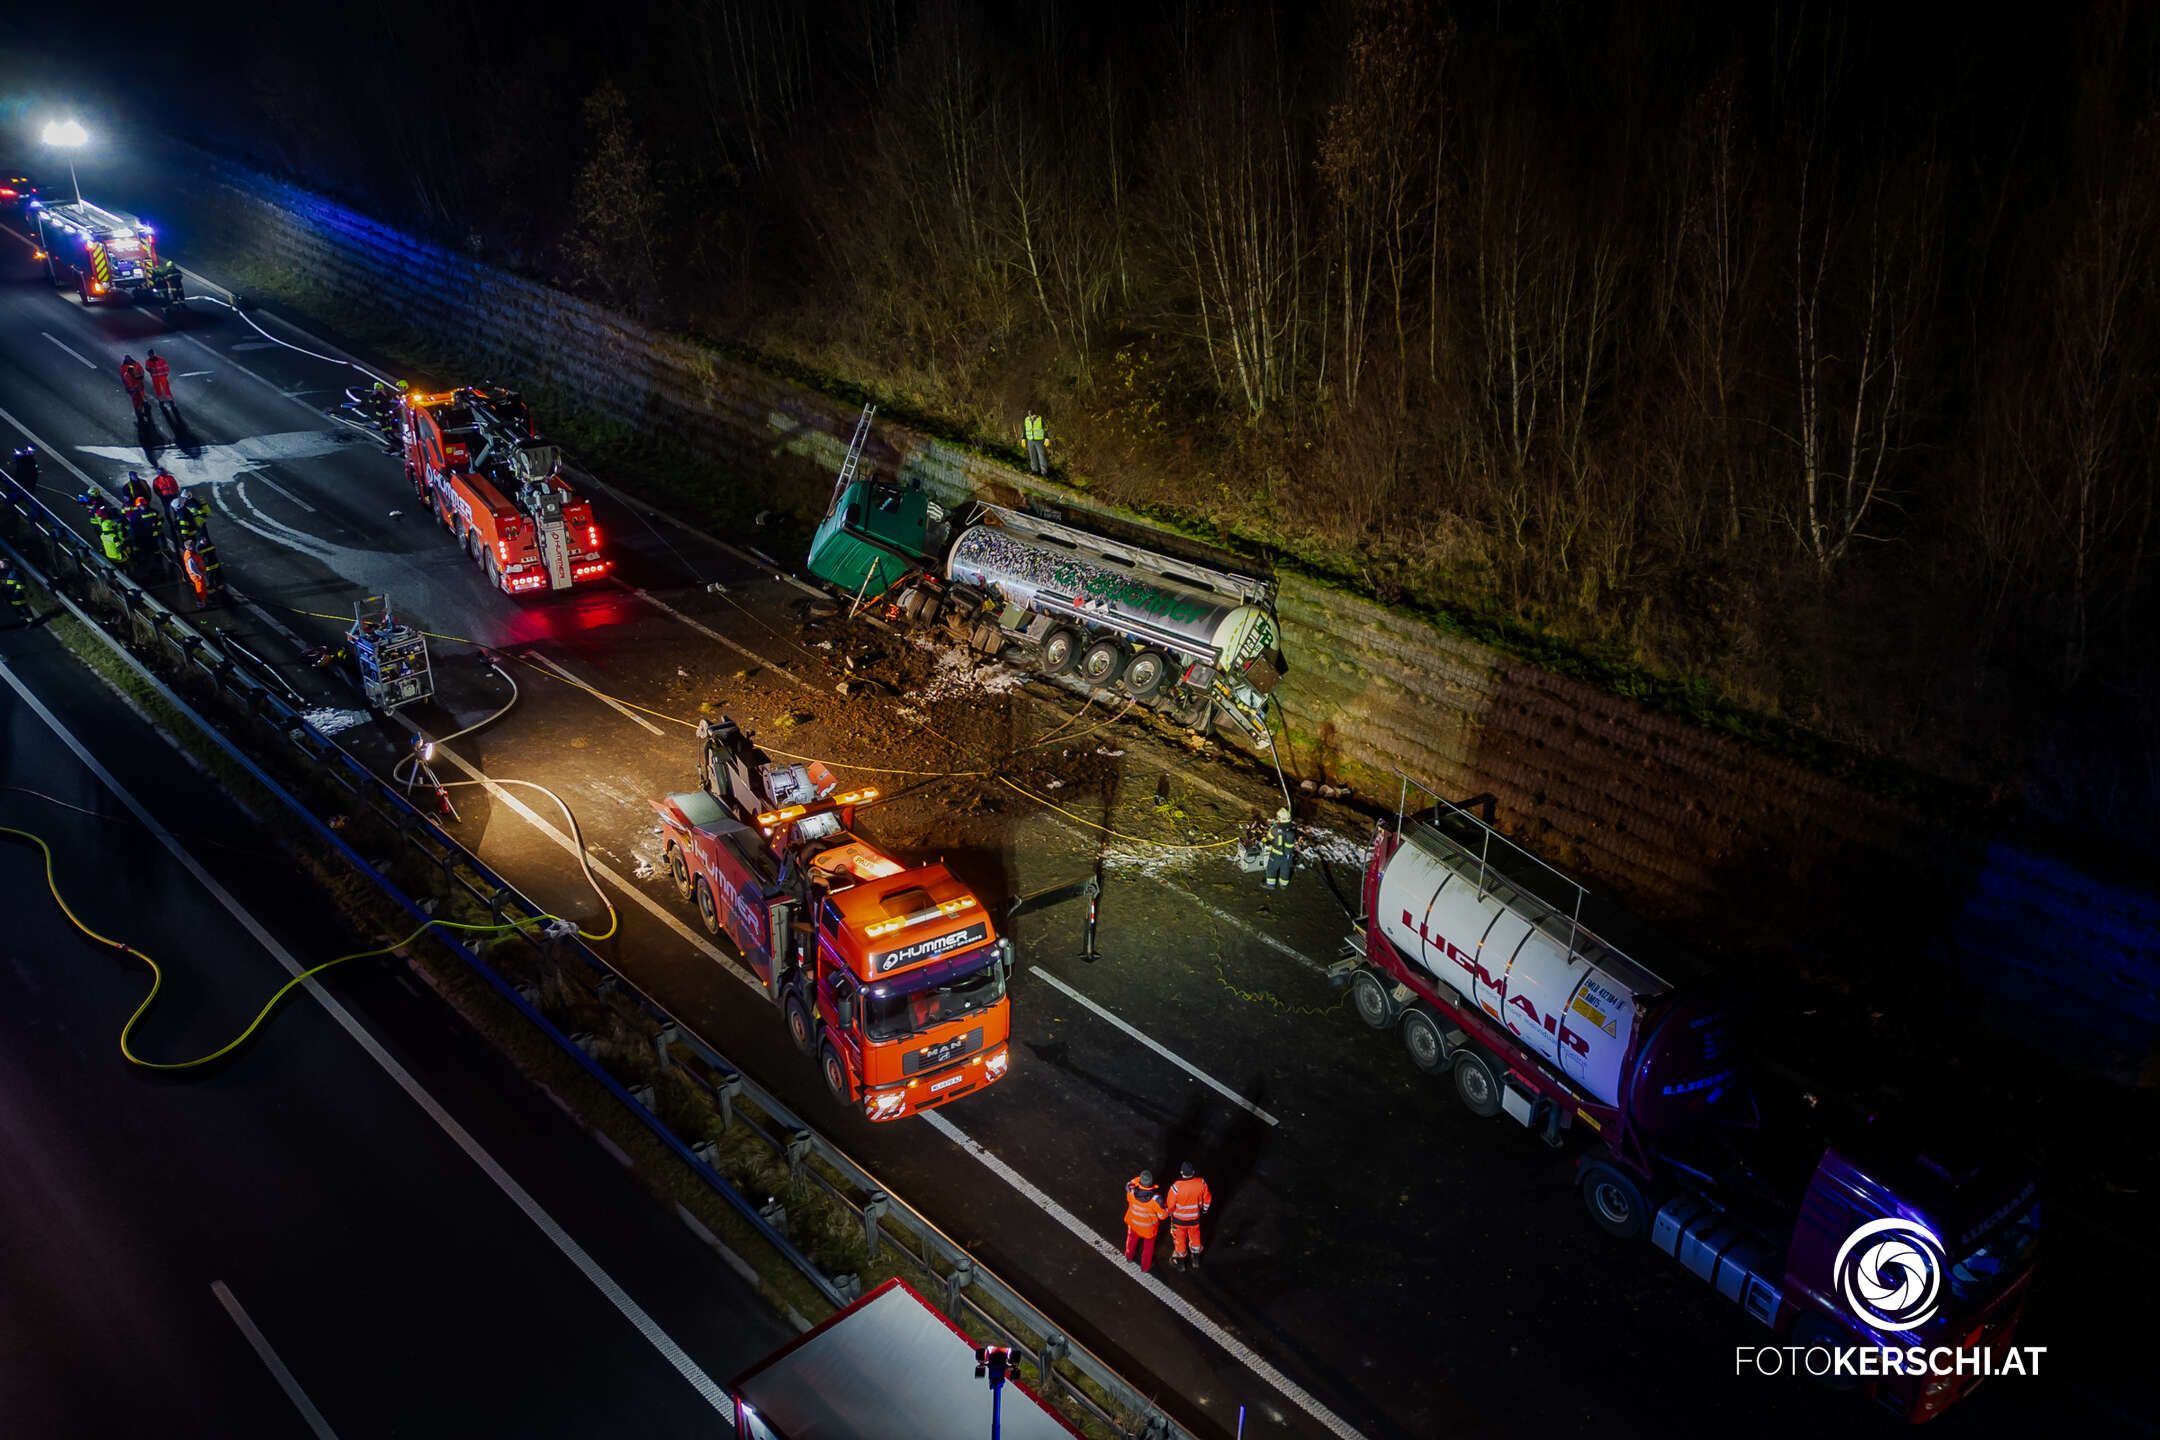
(1382, 1264)
(288, 1242)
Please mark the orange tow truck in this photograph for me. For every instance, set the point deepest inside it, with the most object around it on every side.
(890, 973)
(475, 459)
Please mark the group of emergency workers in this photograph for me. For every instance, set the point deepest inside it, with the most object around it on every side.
(158, 514)
(152, 374)
(1147, 1205)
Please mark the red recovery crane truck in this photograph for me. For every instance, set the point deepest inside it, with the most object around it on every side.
(475, 459)
(891, 974)
(1478, 953)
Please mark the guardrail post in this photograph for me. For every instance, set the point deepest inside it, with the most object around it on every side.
(849, 1286)
(727, 1090)
(644, 1095)
(1055, 1347)
(1155, 1427)
(963, 1275)
(775, 1214)
(663, 1044)
(798, 1151)
(873, 1210)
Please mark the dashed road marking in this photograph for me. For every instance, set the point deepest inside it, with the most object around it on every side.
(608, 700)
(277, 1368)
(69, 348)
(1181, 1307)
(1158, 1047)
(288, 494)
(711, 634)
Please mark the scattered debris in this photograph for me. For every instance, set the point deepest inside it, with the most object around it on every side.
(1108, 753)
(643, 869)
(685, 674)
(330, 720)
(394, 514)
(789, 719)
(1053, 784)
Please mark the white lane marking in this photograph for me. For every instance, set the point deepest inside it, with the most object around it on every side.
(354, 424)
(272, 1363)
(264, 380)
(605, 1283)
(193, 374)
(1282, 946)
(608, 700)
(547, 828)
(1159, 1048)
(1179, 1306)
(288, 494)
(69, 348)
(711, 634)
(640, 508)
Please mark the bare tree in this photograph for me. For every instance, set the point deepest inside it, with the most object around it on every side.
(1857, 292)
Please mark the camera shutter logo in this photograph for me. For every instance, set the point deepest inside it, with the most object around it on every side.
(1890, 1272)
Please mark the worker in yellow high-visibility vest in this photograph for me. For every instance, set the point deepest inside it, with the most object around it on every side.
(1037, 443)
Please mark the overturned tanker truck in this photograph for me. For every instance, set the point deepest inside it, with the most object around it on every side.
(1183, 638)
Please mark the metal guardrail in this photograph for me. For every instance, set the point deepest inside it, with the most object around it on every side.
(126, 616)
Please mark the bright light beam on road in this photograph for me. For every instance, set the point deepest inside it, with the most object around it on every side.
(70, 136)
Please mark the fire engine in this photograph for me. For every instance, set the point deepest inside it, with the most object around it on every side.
(476, 461)
(891, 974)
(104, 252)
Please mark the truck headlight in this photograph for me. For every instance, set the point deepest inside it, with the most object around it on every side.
(994, 1067)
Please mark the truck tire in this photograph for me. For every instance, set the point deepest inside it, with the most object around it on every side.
(836, 1077)
(1477, 1084)
(1370, 997)
(1615, 1201)
(494, 571)
(1060, 649)
(1422, 1038)
(82, 288)
(708, 912)
(1102, 663)
(1145, 673)
(798, 1025)
(678, 870)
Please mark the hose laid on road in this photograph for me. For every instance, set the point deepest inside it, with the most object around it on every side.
(301, 349)
(157, 973)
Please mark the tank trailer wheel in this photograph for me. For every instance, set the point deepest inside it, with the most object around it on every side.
(1370, 998)
(1102, 662)
(836, 1077)
(1615, 1201)
(1477, 1085)
(798, 1026)
(1145, 673)
(678, 870)
(1422, 1038)
(1060, 648)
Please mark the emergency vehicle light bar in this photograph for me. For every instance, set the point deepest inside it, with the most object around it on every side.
(932, 912)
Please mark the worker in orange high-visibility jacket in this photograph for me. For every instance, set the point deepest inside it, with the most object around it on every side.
(1143, 1218)
(1187, 1201)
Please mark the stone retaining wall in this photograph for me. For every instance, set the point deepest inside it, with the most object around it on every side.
(1734, 844)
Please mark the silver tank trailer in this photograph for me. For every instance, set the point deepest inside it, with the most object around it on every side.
(1207, 615)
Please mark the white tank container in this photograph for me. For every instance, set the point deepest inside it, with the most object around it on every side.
(1508, 954)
